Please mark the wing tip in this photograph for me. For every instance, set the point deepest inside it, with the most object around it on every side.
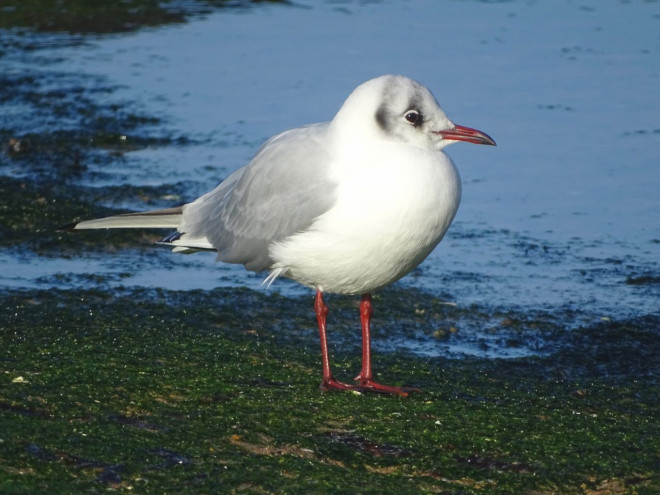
(171, 237)
(174, 240)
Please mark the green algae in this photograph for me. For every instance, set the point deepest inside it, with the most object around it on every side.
(62, 126)
(32, 213)
(76, 16)
(188, 392)
(52, 144)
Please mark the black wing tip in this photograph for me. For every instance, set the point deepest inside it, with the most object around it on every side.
(171, 237)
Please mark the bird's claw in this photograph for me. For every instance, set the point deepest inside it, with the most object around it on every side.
(372, 386)
(332, 384)
(368, 386)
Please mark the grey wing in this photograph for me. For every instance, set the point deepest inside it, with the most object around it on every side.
(281, 191)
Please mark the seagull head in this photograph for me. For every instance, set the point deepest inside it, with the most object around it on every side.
(399, 109)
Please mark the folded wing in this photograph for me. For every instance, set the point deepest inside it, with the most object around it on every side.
(279, 193)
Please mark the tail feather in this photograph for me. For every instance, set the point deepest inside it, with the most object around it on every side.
(169, 218)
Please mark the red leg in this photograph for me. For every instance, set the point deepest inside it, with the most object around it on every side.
(366, 310)
(328, 382)
(365, 377)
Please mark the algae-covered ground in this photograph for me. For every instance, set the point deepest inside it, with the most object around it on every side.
(163, 391)
(216, 392)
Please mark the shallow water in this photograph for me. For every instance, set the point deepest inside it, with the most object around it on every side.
(560, 215)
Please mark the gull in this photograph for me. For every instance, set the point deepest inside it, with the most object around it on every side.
(346, 206)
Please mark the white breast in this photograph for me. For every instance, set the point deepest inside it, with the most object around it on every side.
(392, 209)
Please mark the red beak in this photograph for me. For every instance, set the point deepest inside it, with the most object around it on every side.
(461, 133)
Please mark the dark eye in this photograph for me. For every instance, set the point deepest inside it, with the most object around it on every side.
(413, 117)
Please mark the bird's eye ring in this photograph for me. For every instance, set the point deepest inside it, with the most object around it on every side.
(413, 117)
